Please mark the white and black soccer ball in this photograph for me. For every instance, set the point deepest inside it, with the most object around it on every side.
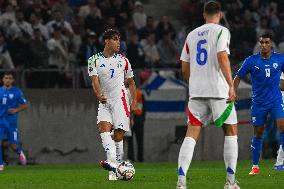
(125, 170)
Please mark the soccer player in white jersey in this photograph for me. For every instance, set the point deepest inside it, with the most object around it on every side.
(279, 165)
(108, 70)
(206, 66)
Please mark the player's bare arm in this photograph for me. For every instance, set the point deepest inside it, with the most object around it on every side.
(185, 68)
(132, 89)
(224, 63)
(281, 84)
(21, 108)
(97, 89)
(236, 82)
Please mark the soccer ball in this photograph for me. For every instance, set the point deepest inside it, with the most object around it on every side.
(125, 170)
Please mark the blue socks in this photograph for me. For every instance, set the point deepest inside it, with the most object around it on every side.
(1, 155)
(256, 147)
(281, 135)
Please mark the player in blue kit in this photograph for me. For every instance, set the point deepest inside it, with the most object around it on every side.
(3, 123)
(16, 102)
(265, 69)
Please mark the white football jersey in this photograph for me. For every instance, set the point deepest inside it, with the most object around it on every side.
(111, 72)
(200, 50)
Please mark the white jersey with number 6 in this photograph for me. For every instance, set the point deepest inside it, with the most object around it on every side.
(200, 50)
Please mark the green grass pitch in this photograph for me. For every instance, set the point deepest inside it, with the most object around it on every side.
(205, 174)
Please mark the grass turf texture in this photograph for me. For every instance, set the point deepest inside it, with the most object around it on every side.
(207, 174)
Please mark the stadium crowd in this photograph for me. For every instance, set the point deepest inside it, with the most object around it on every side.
(63, 34)
(247, 20)
(46, 35)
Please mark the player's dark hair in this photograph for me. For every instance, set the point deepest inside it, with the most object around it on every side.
(8, 73)
(212, 7)
(110, 33)
(267, 35)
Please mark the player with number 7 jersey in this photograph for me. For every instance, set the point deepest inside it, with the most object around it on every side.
(108, 71)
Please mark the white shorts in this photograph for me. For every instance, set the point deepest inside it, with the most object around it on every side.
(203, 111)
(116, 112)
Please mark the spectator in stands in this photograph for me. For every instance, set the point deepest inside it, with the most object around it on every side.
(59, 22)
(165, 26)
(273, 15)
(40, 54)
(91, 7)
(106, 7)
(139, 16)
(135, 52)
(20, 27)
(36, 24)
(120, 13)
(58, 58)
(167, 51)
(152, 58)
(93, 21)
(5, 58)
(129, 29)
(89, 47)
(128, 7)
(149, 28)
(64, 8)
(110, 23)
(39, 8)
(263, 27)
(58, 49)
(39, 50)
(8, 17)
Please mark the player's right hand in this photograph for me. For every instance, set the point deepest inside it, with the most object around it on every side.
(102, 99)
(232, 95)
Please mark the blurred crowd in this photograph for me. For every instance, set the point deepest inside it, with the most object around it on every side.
(246, 20)
(63, 34)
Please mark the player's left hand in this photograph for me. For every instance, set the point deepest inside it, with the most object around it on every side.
(133, 106)
(12, 110)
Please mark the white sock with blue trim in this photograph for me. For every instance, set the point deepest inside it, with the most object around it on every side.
(185, 156)
(119, 151)
(231, 156)
(109, 146)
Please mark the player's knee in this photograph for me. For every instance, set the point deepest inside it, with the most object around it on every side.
(230, 130)
(14, 147)
(258, 132)
(104, 127)
(118, 135)
(281, 128)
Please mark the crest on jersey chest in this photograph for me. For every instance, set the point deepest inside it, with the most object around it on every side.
(275, 65)
(119, 65)
(11, 96)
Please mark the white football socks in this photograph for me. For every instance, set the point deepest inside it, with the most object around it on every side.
(231, 156)
(109, 146)
(119, 151)
(185, 156)
(280, 156)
